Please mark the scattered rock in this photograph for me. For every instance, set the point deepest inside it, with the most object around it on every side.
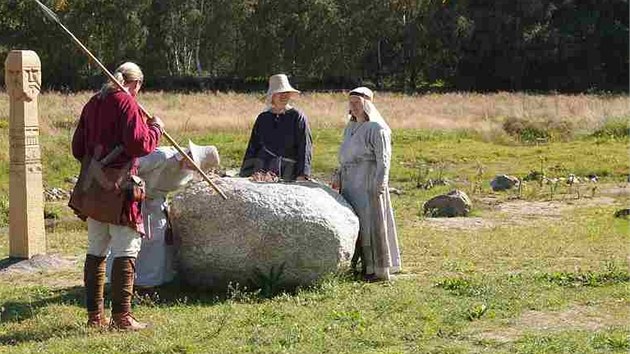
(426, 185)
(72, 180)
(430, 183)
(396, 191)
(454, 203)
(441, 182)
(304, 229)
(55, 194)
(504, 182)
(534, 176)
(622, 213)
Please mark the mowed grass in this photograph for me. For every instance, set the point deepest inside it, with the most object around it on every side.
(525, 283)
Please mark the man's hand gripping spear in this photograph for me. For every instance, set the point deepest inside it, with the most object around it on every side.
(50, 14)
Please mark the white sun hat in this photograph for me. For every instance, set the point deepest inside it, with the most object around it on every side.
(205, 157)
(280, 83)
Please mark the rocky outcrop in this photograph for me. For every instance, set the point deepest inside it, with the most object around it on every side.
(302, 230)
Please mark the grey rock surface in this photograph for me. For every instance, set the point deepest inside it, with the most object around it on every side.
(305, 227)
(503, 182)
(453, 203)
(37, 264)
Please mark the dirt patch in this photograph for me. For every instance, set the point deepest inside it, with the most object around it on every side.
(578, 317)
(549, 209)
(621, 190)
(461, 223)
(54, 271)
(41, 264)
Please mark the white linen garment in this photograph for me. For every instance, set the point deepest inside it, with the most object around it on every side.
(162, 173)
(364, 158)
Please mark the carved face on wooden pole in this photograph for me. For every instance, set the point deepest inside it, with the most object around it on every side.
(23, 76)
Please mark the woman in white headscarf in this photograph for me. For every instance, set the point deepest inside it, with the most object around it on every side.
(164, 171)
(364, 158)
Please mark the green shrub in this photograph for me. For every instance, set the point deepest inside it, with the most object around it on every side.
(528, 130)
(461, 286)
(612, 275)
(615, 127)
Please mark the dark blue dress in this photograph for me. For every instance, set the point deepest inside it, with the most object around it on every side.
(280, 143)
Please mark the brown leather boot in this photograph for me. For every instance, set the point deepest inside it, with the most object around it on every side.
(122, 291)
(126, 322)
(97, 319)
(94, 281)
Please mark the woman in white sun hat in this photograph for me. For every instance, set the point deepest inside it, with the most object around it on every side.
(164, 171)
(281, 138)
(362, 179)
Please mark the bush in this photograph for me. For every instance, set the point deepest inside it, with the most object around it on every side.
(615, 127)
(536, 130)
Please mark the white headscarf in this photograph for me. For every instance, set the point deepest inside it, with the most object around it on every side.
(366, 95)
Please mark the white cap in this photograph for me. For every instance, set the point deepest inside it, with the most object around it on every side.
(363, 92)
(205, 157)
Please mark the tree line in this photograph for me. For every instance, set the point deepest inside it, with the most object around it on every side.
(407, 45)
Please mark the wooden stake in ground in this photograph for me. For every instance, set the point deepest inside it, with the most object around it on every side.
(50, 14)
(27, 235)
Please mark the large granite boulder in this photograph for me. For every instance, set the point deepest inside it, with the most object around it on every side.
(453, 203)
(288, 233)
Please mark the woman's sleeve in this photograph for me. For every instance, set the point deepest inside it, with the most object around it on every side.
(304, 147)
(252, 148)
(155, 160)
(381, 143)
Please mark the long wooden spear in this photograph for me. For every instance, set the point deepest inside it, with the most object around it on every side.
(50, 14)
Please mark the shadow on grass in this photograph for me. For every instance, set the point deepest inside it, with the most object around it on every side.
(260, 288)
(36, 335)
(7, 262)
(18, 311)
(176, 293)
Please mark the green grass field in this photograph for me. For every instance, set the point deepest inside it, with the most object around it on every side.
(543, 271)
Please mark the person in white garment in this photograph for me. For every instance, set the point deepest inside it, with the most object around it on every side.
(362, 179)
(164, 171)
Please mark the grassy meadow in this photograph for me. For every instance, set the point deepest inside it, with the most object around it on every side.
(540, 270)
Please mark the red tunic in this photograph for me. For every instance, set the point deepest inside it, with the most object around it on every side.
(111, 121)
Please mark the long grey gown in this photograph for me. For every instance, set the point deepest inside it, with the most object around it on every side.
(364, 158)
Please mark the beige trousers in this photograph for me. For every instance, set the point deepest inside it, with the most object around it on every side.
(123, 240)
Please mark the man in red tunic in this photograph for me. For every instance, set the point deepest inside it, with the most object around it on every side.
(111, 119)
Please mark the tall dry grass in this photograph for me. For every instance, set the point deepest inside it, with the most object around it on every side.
(453, 111)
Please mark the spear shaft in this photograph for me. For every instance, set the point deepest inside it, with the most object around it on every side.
(111, 77)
